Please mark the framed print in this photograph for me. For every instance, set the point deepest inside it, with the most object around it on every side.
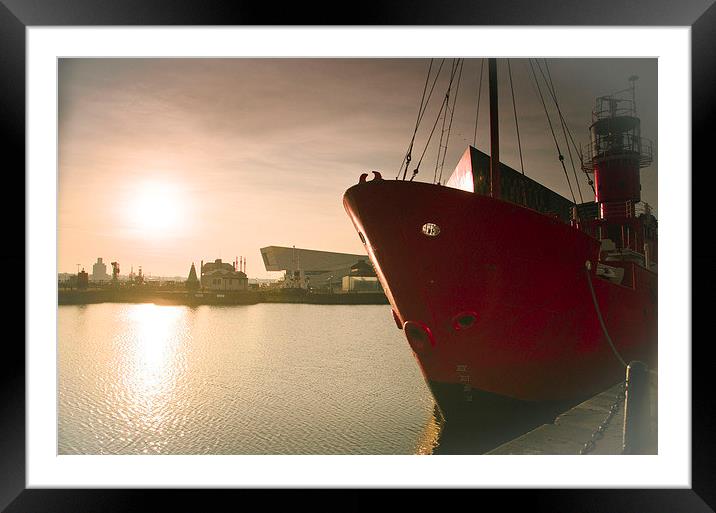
(163, 142)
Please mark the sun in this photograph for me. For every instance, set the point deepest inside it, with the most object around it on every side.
(155, 209)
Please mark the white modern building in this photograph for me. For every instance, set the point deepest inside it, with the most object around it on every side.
(310, 268)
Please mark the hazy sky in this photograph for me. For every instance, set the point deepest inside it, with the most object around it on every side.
(165, 162)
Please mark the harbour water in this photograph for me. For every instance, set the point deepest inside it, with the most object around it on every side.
(243, 379)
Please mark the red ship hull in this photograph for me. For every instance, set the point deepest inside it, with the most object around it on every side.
(501, 294)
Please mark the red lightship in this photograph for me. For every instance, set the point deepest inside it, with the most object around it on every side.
(499, 282)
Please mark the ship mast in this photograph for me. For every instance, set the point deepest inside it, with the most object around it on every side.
(494, 132)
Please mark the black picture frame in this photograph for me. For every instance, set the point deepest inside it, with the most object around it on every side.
(16, 15)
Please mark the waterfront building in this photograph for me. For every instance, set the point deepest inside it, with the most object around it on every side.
(310, 268)
(99, 271)
(66, 281)
(218, 275)
(361, 278)
(82, 279)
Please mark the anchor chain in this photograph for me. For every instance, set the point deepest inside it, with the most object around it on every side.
(598, 433)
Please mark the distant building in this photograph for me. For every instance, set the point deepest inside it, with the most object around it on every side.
(362, 278)
(309, 268)
(262, 282)
(99, 271)
(192, 283)
(82, 279)
(66, 280)
(218, 275)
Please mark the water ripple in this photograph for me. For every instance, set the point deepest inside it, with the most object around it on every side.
(262, 379)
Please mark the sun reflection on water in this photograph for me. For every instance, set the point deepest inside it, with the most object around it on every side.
(430, 436)
(153, 358)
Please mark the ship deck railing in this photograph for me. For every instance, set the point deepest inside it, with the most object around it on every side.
(628, 145)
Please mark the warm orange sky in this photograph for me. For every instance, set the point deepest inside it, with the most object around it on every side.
(164, 162)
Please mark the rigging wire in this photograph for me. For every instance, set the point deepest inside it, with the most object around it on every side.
(551, 128)
(517, 126)
(553, 92)
(407, 157)
(417, 168)
(442, 128)
(577, 150)
(442, 106)
(479, 93)
(421, 112)
(458, 64)
(452, 114)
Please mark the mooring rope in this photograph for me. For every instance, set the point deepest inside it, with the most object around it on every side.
(587, 268)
